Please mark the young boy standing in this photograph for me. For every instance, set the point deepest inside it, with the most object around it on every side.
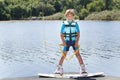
(70, 35)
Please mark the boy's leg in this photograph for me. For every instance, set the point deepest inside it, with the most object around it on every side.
(80, 60)
(62, 58)
(65, 49)
(60, 69)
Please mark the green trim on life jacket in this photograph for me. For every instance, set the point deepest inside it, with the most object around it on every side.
(70, 26)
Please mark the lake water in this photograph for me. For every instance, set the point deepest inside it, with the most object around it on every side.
(30, 47)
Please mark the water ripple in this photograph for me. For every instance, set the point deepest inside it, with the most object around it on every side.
(32, 48)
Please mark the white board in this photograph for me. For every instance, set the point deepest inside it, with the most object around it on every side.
(70, 75)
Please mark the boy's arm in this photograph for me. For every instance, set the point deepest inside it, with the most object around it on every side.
(78, 35)
(62, 38)
(77, 39)
(62, 35)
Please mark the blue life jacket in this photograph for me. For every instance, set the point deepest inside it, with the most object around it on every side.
(70, 31)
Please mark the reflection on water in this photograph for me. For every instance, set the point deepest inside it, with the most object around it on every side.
(30, 47)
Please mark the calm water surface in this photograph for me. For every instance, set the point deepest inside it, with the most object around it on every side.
(30, 47)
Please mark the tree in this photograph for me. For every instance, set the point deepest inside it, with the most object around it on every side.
(116, 4)
(108, 4)
(18, 12)
(84, 12)
(49, 9)
(19, 9)
(96, 5)
(58, 6)
(85, 2)
(3, 14)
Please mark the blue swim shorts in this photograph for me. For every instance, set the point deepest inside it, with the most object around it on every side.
(69, 44)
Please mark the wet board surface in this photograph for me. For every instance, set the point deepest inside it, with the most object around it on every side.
(70, 75)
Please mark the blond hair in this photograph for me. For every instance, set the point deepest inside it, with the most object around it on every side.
(71, 11)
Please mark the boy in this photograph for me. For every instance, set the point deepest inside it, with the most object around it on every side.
(70, 35)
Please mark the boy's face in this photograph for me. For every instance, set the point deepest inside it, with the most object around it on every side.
(69, 16)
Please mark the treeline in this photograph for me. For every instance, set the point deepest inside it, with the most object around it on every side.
(23, 9)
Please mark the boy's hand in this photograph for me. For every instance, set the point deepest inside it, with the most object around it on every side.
(64, 44)
(76, 44)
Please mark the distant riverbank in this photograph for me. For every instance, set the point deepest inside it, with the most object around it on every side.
(103, 15)
(47, 10)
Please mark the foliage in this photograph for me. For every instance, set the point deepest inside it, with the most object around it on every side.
(96, 5)
(3, 12)
(57, 16)
(22, 9)
(108, 4)
(84, 12)
(104, 15)
(19, 12)
(116, 4)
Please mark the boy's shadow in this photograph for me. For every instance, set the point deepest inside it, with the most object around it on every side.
(88, 78)
(84, 78)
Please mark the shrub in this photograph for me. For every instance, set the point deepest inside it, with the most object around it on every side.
(84, 12)
(57, 16)
(104, 15)
(3, 14)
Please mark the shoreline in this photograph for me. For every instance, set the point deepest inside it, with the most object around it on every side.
(53, 20)
(89, 78)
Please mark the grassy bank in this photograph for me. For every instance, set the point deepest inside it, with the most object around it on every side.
(104, 15)
(56, 16)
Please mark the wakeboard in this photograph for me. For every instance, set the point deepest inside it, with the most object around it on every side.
(70, 75)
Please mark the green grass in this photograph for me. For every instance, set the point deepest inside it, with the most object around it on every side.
(104, 15)
(57, 16)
